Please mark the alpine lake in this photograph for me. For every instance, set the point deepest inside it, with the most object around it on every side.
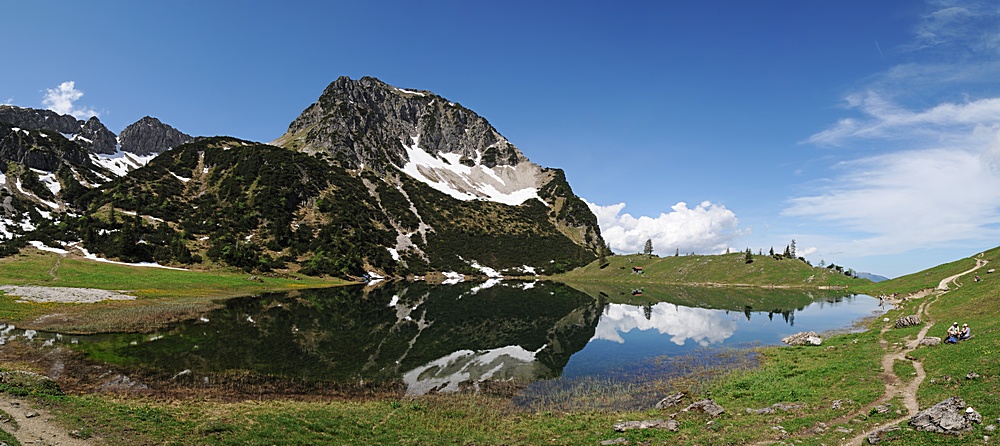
(420, 338)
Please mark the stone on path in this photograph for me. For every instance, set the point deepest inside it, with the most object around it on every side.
(950, 416)
(876, 437)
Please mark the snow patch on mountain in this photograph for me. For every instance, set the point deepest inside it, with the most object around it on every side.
(121, 163)
(511, 185)
(49, 180)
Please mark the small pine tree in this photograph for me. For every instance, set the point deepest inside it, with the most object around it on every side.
(791, 249)
(677, 252)
(749, 256)
(771, 252)
(648, 249)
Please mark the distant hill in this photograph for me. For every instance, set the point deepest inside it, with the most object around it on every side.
(711, 270)
(873, 277)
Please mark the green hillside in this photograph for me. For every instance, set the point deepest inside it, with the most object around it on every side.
(710, 270)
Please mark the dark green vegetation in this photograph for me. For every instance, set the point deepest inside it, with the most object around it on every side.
(263, 208)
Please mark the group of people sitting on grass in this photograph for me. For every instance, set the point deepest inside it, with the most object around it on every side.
(956, 334)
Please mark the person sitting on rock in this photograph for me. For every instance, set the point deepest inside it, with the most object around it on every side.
(966, 333)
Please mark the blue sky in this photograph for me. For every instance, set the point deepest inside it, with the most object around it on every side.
(869, 132)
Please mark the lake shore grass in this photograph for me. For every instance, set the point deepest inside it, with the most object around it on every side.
(829, 394)
(162, 295)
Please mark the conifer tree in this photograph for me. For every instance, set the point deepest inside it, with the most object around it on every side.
(648, 249)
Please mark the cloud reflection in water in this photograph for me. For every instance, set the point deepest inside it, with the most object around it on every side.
(681, 323)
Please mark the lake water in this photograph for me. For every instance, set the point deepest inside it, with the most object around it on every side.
(443, 338)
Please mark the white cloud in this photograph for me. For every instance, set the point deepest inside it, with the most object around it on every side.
(708, 228)
(61, 99)
(887, 120)
(931, 126)
(908, 200)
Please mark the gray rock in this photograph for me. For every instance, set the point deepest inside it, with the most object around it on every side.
(930, 340)
(876, 437)
(148, 135)
(92, 135)
(670, 425)
(837, 404)
(707, 406)
(670, 400)
(972, 375)
(96, 138)
(803, 338)
(907, 321)
(950, 416)
(619, 440)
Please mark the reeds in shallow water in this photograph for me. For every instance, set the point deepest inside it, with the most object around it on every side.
(637, 386)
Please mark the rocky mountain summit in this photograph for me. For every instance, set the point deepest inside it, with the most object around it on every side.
(367, 123)
(90, 134)
(148, 136)
(371, 123)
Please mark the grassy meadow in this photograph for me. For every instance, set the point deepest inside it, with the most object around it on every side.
(708, 270)
(829, 391)
(163, 295)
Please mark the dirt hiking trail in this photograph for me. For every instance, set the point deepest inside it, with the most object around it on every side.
(34, 426)
(894, 385)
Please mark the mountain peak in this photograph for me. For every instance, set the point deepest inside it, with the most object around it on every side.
(148, 136)
(91, 135)
(367, 124)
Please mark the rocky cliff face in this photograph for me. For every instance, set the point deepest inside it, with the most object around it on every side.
(148, 136)
(91, 134)
(369, 124)
(37, 149)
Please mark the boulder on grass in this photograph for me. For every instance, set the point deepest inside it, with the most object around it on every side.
(803, 338)
(950, 416)
(907, 321)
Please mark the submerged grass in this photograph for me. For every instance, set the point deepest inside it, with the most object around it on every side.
(638, 387)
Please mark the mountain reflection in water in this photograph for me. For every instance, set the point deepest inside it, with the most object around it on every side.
(448, 338)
